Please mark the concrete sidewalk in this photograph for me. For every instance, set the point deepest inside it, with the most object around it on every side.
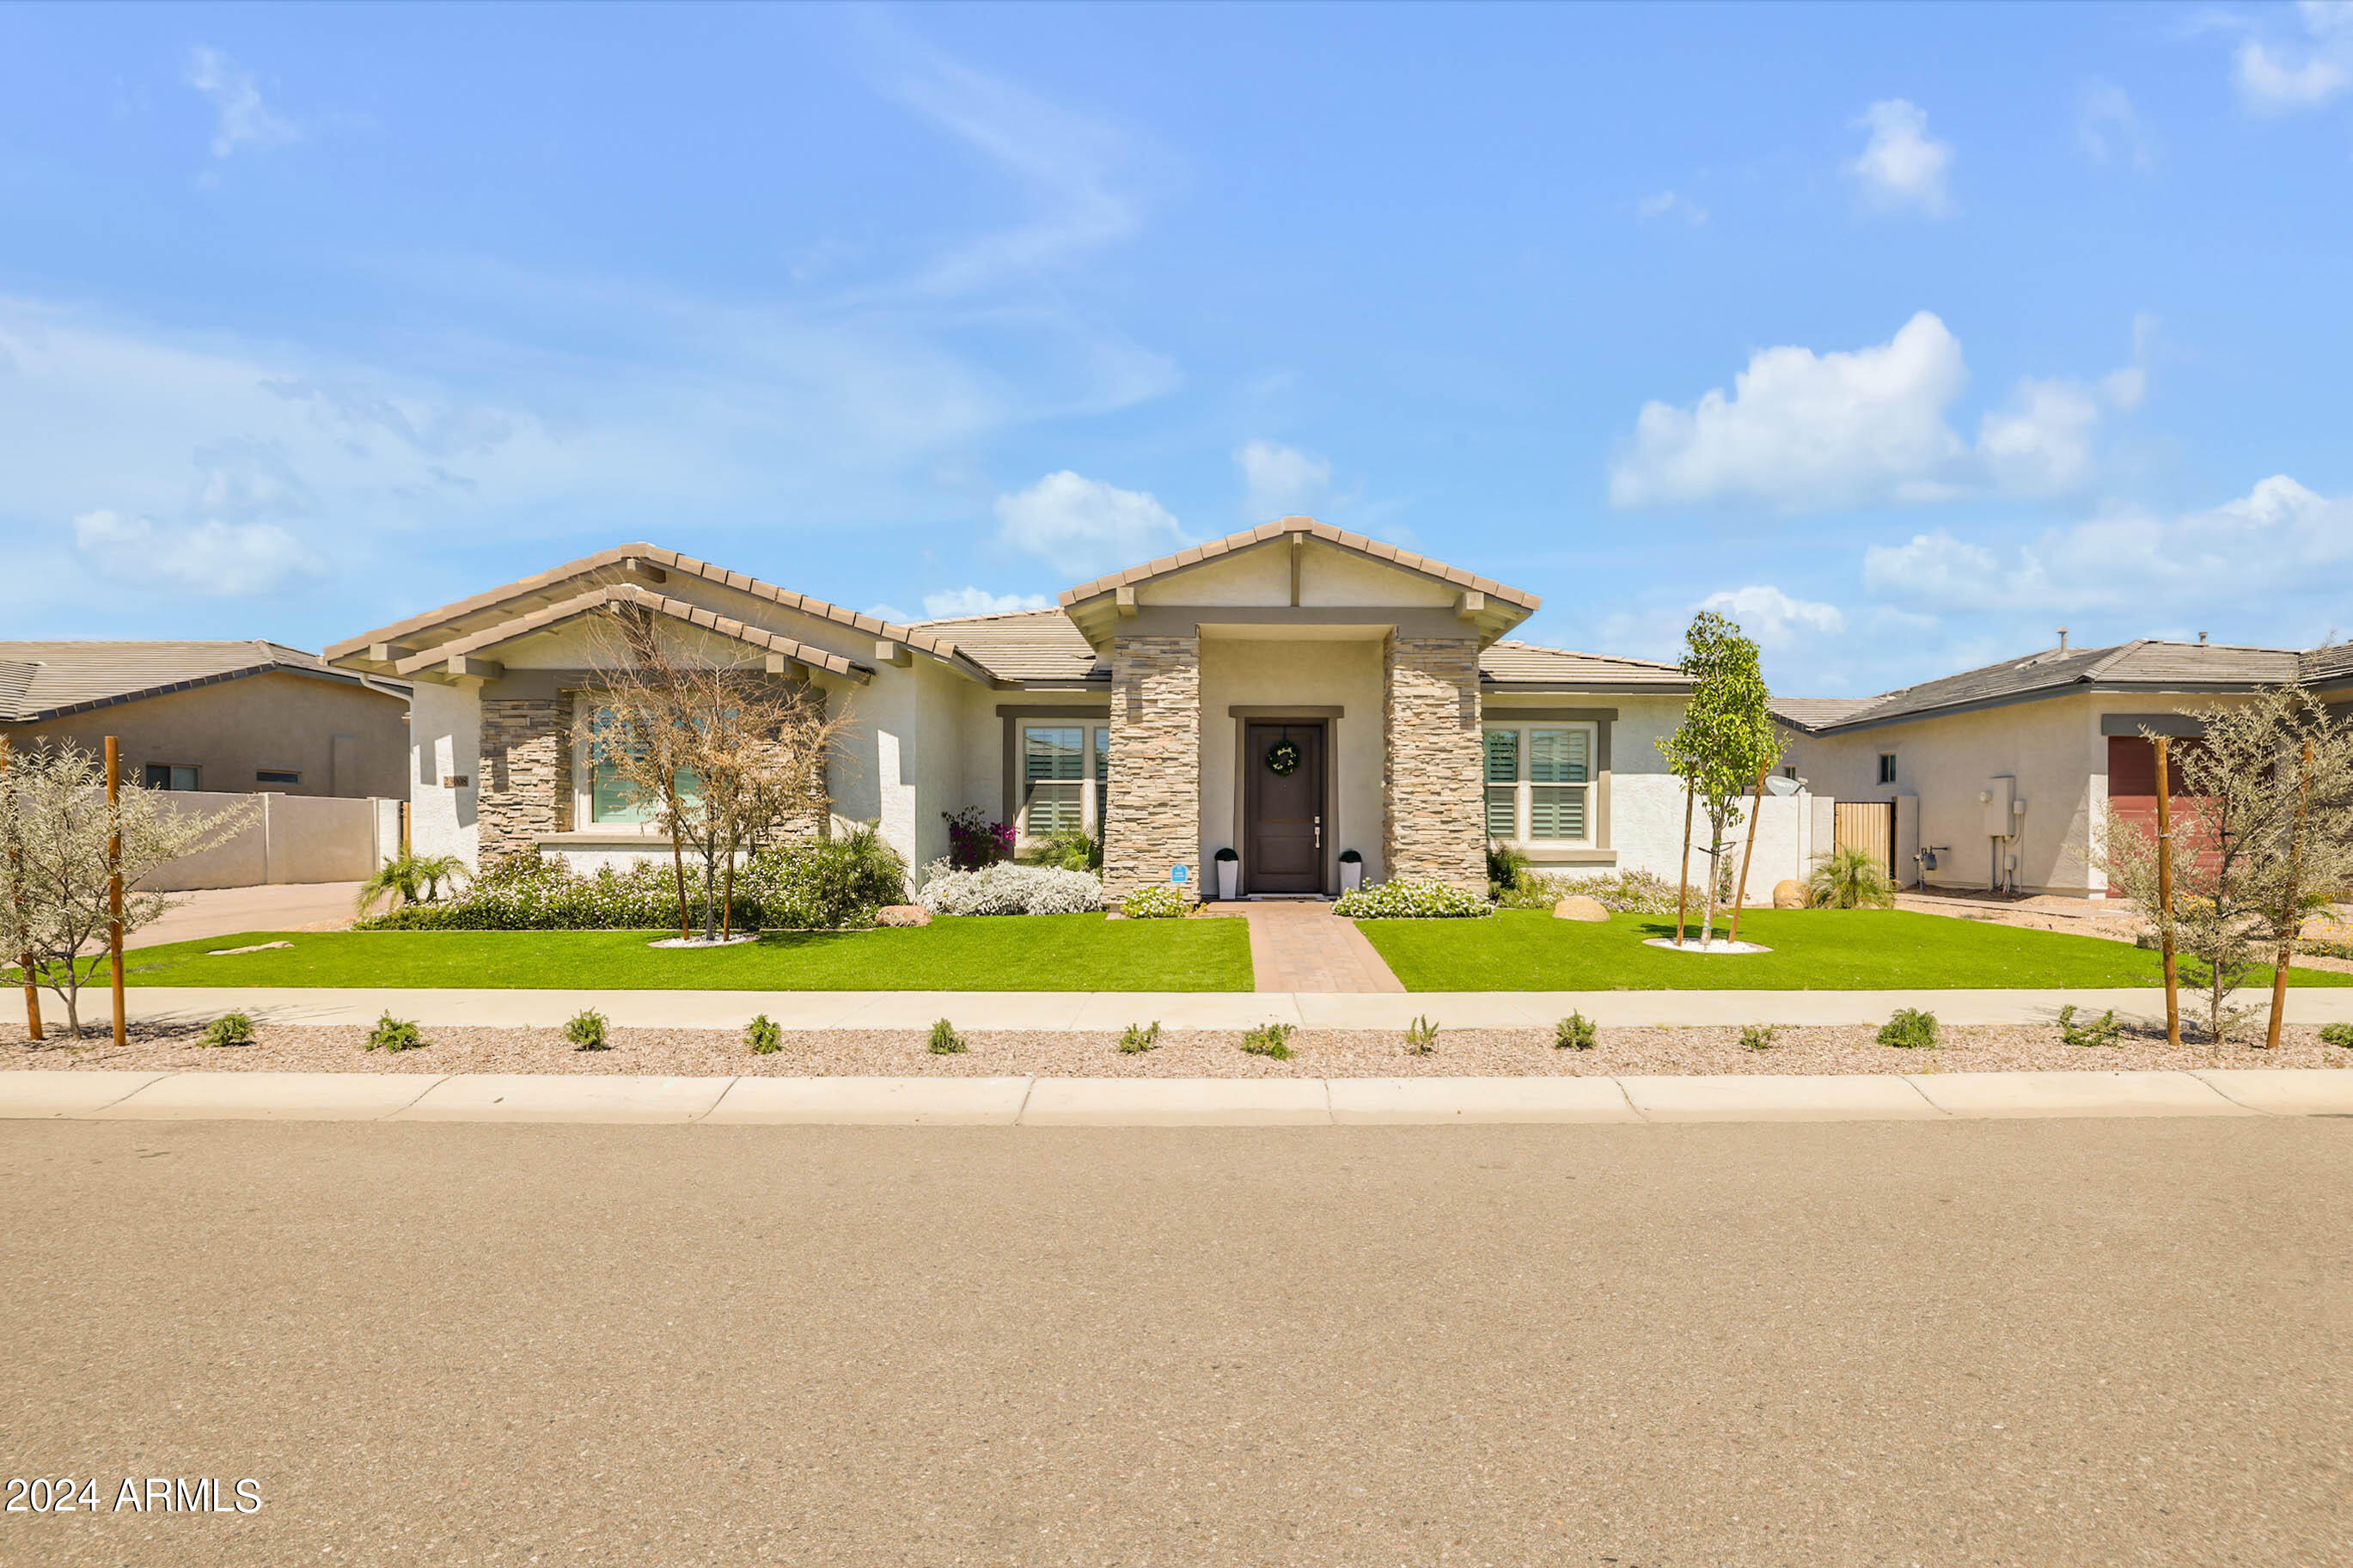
(1099, 1011)
(1162, 1102)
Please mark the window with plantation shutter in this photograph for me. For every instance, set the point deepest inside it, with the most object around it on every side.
(1503, 785)
(1102, 776)
(1052, 760)
(1558, 772)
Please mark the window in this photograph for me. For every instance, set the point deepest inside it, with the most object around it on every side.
(1790, 773)
(277, 776)
(167, 775)
(610, 799)
(1539, 784)
(1887, 767)
(1060, 792)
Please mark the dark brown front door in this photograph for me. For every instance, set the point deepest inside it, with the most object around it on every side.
(1283, 842)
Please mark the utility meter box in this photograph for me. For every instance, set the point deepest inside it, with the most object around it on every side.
(2000, 807)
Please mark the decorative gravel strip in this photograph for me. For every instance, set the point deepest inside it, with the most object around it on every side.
(1494, 1053)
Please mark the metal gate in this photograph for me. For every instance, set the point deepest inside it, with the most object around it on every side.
(1868, 826)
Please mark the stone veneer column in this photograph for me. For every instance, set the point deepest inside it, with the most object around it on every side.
(1431, 824)
(524, 788)
(1154, 819)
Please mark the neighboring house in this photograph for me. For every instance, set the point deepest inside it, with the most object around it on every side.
(224, 717)
(1154, 704)
(2043, 744)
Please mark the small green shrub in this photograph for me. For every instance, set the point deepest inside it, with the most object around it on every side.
(1850, 880)
(1420, 1035)
(391, 1034)
(1910, 1029)
(1411, 900)
(823, 884)
(229, 1029)
(761, 1036)
(1270, 1040)
(2338, 1034)
(1071, 849)
(1158, 902)
(1136, 1038)
(1507, 868)
(1576, 1032)
(585, 1030)
(1757, 1036)
(2102, 1031)
(945, 1041)
(2317, 947)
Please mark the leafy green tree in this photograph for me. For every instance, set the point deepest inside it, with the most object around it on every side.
(1728, 740)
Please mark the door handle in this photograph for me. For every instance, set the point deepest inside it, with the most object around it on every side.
(1319, 833)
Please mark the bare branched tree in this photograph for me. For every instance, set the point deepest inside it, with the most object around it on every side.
(55, 828)
(725, 758)
(2263, 834)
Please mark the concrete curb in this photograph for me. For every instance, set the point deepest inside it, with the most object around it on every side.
(1163, 1103)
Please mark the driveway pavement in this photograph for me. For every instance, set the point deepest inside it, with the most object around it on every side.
(225, 912)
(2032, 1342)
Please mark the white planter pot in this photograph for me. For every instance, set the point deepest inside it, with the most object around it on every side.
(1230, 878)
(1351, 876)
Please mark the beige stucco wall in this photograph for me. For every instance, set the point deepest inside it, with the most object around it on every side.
(2052, 747)
(235, 728)
(1256, 672)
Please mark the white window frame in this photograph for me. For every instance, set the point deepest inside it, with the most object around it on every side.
(583, 794)
(1524, 788)
(1093, 733)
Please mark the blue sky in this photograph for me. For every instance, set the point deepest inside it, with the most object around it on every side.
(1907, 334)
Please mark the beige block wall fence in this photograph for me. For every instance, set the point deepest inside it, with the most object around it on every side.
(289, 838)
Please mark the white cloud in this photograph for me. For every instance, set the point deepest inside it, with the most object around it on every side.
(1802, 429)
(244, 120)
(1772, 617)
(1280, 481)
(1663, 202)
(221, 559)
(1854, 427)
(1085, 527)
(2108, 127)
(1900, 166)
(981, 602)
(2282, 80)
(2041, 444)
(2279, 538)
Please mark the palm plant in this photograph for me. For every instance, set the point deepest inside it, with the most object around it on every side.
(1850, 879)
(411, 878)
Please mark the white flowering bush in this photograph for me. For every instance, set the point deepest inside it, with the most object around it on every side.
(1411, 900)
(1158, 902)
(1007, 888)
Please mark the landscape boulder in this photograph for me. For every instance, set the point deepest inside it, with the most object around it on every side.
(1578, 907)
(1788, 894)
(903, 915)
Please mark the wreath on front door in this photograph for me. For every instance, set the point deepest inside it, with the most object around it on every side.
(1283, 757)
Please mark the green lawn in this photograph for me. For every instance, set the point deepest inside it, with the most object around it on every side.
(1024, 952)
(1813, 950)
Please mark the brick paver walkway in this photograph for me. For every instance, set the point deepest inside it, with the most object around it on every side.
(1302, 946)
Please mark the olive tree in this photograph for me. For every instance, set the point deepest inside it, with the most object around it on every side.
(1726, 742)
(57, 829)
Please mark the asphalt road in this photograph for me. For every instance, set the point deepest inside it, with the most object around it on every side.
(2003, 1342)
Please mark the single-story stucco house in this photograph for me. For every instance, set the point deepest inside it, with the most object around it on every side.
(2040, 745)
(1292, 692)
(227, 718)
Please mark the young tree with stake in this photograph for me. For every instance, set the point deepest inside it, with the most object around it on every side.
(1726, 742)
(56, 825)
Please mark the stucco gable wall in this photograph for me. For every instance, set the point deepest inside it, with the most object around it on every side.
(1329, 577)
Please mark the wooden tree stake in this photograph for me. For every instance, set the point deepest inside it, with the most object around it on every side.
(2164, 892)
(2295, 912)
(1682, 893)
(114, 884)
(1755, 820)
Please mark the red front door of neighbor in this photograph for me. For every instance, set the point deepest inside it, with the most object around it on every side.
(1282, 812)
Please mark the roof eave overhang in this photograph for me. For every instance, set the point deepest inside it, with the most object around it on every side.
(446, 661)
(2044, 693)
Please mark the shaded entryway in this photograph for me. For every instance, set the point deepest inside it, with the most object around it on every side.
(1283, 764)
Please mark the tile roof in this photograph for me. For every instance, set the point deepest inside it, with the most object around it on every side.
(596, 598)
(490, 608)
(2146, 663)
(48, 679)
(1024, 645)
(2324, 664)
(1391, 554)
(1508, 663)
